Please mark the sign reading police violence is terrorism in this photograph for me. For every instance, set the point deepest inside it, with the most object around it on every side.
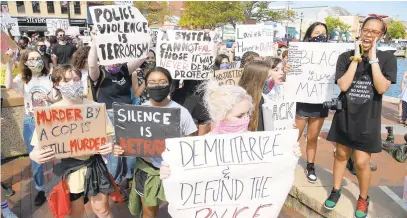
(230, 175)
(123, 33)
(72, 131)
(141, 130)
(186, 54)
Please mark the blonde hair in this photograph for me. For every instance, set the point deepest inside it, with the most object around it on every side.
(254, 77)
(220, 99)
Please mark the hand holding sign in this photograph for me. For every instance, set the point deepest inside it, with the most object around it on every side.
(42, 155)
(106, 149)
(165, 170)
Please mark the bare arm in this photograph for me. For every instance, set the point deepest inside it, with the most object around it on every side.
(403, 83)
(133, 65)
(10, 83)
(93, 62)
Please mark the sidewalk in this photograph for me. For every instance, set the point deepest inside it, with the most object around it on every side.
(386, 186)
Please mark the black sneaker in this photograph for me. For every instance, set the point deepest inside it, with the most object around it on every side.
(333, 199)
(310, 173)
(40, 198)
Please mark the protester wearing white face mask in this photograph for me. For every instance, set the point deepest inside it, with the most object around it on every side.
(87, 177)
(80, 62)
(34, 82)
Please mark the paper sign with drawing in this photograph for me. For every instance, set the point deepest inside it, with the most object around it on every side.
(71, 131)
(313, 66)
(123, 33)
(187, 54)
(247, 174)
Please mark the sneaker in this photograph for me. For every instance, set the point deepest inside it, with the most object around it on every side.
(40, 198)
(8, 192)
(333, 199)
(8, 214)
(362, 207)
(310, 173)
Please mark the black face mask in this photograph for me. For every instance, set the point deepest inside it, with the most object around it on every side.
(158, 93)
(320, 38)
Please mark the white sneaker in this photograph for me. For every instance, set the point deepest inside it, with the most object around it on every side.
(8, 214)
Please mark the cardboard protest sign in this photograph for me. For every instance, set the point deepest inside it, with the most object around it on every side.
(228, 77)
(72, 31)
(6, 43)
(313, 66)
(279, 111)
(257, 38)
(54, 24)
(141, 130)
(123, 33)
(153, 34)
(8, 22)
(71, 131)
(235, 64)
(186, 54)
(247, 174)
(85, 39)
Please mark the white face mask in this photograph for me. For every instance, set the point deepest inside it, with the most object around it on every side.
(71, 91)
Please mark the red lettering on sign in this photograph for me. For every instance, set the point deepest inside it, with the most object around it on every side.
(86, 144)
(142, 147)
(258, 208)
(207, 215)
(61, 115)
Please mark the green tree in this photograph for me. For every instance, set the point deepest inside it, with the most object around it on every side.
(155, 12)
(210, 14)
(396, 30)
(335, 24)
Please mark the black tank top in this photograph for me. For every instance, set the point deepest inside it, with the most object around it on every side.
(115, 87)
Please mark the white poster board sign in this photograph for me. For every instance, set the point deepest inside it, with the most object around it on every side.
(8, 22)
(278, 110)
(123, 38)
(257, 38)
(313, 67)
(248, 174)
(72, 31)
(54, 24)
(127, 3)
(85, 39)
(187, 54)
(153, 34)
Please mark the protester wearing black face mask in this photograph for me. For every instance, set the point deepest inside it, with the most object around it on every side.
(23, 42)
(46, 58)
(62, 51)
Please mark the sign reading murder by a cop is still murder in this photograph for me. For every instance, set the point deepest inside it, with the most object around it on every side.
(71, 131)
(230, 175)
(313, 67)
(186, 54)
(141, 130)
(123, 33)
(257, 38)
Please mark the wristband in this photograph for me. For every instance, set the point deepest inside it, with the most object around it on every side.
(374, 61)
(353, 58)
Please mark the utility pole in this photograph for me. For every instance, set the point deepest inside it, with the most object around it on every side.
(69, 12)
(288, 3)
(302, 17)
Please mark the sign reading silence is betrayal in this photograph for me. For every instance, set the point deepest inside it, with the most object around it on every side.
(228, 77)
(71, 131)
(231, 175)
(313, 67)
(186, 54)
(123, 33)
(141, 130)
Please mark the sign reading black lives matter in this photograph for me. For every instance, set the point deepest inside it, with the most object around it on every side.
(141, 130)
(313, 68)
(123, 33)
(187, 54)
(230, 175)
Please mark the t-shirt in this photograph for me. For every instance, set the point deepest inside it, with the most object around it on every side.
(187, 125)
(34, 91)
(76, 179)
(115, 87)
(358, 125)
(63, 53)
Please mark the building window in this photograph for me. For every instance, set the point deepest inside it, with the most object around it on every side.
(64, 7)
(36, 6)
(77, 7)
(50, 7)
(4, 7)
(20, 6)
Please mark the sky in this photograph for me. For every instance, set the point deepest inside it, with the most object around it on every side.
(395, 9)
